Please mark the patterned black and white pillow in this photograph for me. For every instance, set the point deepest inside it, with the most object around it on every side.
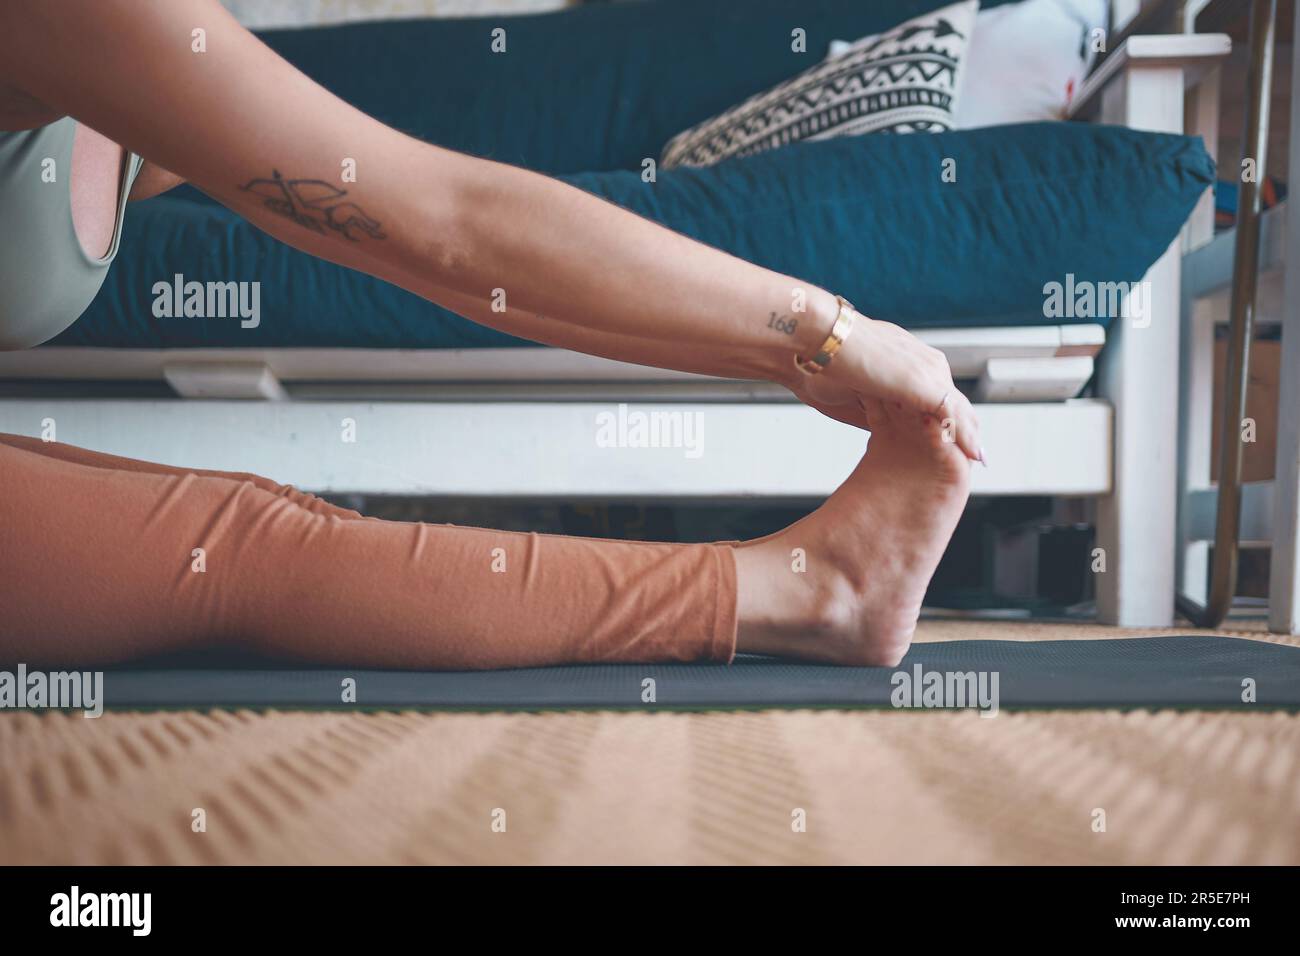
(905, 80)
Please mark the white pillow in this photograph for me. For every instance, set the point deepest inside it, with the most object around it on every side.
(1025, 61)
(904, 80)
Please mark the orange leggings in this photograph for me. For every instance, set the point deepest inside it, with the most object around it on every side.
(105, 559)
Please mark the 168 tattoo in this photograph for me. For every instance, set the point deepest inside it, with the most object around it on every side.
(782, 325)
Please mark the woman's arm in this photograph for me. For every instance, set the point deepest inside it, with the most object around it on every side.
(246, 127)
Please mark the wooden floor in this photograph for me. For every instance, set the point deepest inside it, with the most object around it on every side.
(873, 786)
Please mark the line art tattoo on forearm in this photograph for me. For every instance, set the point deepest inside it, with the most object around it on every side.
(315, 204)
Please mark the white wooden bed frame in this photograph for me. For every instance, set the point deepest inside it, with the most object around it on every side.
(521, 423)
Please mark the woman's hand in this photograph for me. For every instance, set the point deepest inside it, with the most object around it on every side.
(883, 362)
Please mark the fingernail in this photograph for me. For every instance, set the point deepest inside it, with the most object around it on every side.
(984, 459)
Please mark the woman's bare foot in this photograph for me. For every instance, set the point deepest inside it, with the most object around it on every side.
(845, 584)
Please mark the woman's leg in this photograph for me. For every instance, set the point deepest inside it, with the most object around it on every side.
(105, 564)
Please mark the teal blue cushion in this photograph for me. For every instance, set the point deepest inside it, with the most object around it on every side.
(869, 217)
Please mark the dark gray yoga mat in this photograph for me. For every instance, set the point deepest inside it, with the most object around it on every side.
(1151, 672)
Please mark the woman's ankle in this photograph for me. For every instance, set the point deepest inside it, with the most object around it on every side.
(782, 608)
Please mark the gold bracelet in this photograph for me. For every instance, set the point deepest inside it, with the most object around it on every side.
(839, 332)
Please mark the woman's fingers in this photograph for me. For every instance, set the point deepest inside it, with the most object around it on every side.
(959, 423)
(955, 411)
(887, 365)
(968, 429)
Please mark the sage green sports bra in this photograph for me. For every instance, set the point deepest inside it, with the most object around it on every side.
(46, 278)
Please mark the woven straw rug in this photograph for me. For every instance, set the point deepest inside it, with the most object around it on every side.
(767, 787)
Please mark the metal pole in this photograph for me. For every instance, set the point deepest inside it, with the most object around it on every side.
(1241, 324)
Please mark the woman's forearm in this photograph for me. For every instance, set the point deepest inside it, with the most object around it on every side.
(542, 251)
(566, 330)
(627, 348)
